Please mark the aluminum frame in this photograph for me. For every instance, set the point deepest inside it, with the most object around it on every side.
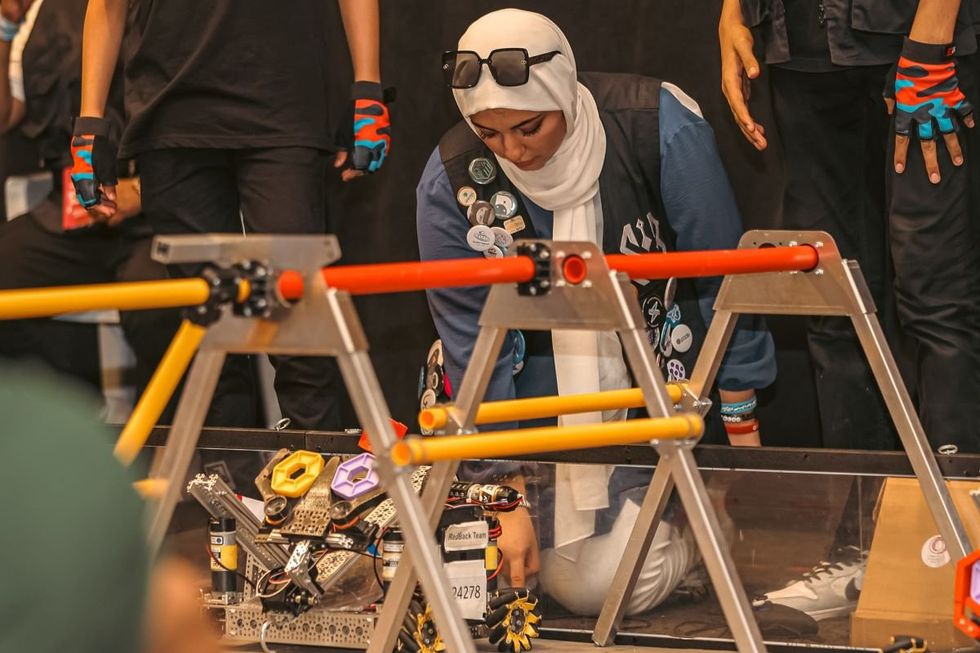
(604, 300)
(835, 287)
(323, 323)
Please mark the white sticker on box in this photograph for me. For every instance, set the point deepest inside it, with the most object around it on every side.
(934, 553)
(468, 579)
(468, 536)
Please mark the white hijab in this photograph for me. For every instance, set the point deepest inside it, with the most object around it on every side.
(568, 185)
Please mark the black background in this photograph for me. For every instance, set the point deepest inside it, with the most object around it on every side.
(374, 217)
(675, 40)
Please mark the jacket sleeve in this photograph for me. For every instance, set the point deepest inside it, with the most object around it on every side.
(456, 312)
(700, 207)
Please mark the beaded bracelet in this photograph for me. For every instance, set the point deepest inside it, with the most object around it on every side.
(738, 419)
(739, 408)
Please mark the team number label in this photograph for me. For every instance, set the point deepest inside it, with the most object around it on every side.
(468, 579)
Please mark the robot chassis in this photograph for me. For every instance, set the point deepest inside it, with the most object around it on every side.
(312, 561)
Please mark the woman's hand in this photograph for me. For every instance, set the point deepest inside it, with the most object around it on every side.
(738, 68)
(518, 546)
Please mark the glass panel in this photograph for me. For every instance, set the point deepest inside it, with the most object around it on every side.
(800, 539)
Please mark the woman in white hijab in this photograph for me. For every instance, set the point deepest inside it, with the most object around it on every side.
(566, 159)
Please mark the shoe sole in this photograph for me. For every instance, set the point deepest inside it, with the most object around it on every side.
(832, 613)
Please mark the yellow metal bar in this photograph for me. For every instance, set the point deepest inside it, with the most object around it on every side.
(45, 302)
(158, 392)
(150, 489)
(423, 451)
(537, 407)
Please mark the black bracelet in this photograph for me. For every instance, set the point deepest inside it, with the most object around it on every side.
(738, 419)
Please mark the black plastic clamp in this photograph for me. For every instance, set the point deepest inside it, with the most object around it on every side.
(262, 297)
(223, 286)
(540, 283)
(223, 289)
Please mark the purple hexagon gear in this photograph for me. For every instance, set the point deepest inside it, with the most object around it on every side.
(355, 477)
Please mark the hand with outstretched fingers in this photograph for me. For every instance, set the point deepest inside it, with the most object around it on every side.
(924, 93)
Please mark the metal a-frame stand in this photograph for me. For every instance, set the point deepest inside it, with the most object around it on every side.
(323, 323)
(603, 301)
(835, 287)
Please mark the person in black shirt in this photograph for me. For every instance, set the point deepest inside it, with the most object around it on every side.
(38, 96)
(830, 62)
(226, 103)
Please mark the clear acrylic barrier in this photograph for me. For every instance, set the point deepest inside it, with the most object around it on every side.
(813, 528)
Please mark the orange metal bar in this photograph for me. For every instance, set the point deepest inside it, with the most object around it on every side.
(382, 278)
(415, 275)
(410, 276)
(715, 263)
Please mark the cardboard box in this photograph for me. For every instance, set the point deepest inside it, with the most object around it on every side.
(908, 586)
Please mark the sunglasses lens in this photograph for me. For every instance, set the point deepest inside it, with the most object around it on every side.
(461, 69)
(509, 67)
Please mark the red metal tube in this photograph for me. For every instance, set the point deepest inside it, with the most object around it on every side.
(408, 276)
(715, 263)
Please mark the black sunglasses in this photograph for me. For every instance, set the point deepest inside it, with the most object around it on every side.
(509, 66)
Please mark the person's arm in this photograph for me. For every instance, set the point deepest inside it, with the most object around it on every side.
(738, 68)
(105, 21)
(925, 89)
(935, 21)
(366, 140)
(12, 109)
(700, 206)
(456, 313)
(93, 171)
(361, 25)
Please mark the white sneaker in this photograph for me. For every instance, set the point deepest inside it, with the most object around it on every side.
(829, 590)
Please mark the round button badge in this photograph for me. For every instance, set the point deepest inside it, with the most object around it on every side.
(682, 338)
(466, 196)
(502, 237)
(504, 204)
(482, 170)
(494, 252)
(480, 213)
(480, 238)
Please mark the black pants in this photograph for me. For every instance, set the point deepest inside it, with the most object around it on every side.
(275, 190)
(836, 135)
(31, 256)
(937, 281)
(833, 127)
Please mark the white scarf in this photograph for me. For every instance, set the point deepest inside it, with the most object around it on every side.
(568, 185)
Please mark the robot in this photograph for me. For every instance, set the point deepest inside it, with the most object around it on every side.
(315, 546)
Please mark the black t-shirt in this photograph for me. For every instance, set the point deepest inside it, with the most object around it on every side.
(806, 32)
(226, 74)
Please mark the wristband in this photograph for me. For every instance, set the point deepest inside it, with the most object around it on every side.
(740, 407)
(745, 428)
(931, 53)
(738, 419)
(8, 29)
